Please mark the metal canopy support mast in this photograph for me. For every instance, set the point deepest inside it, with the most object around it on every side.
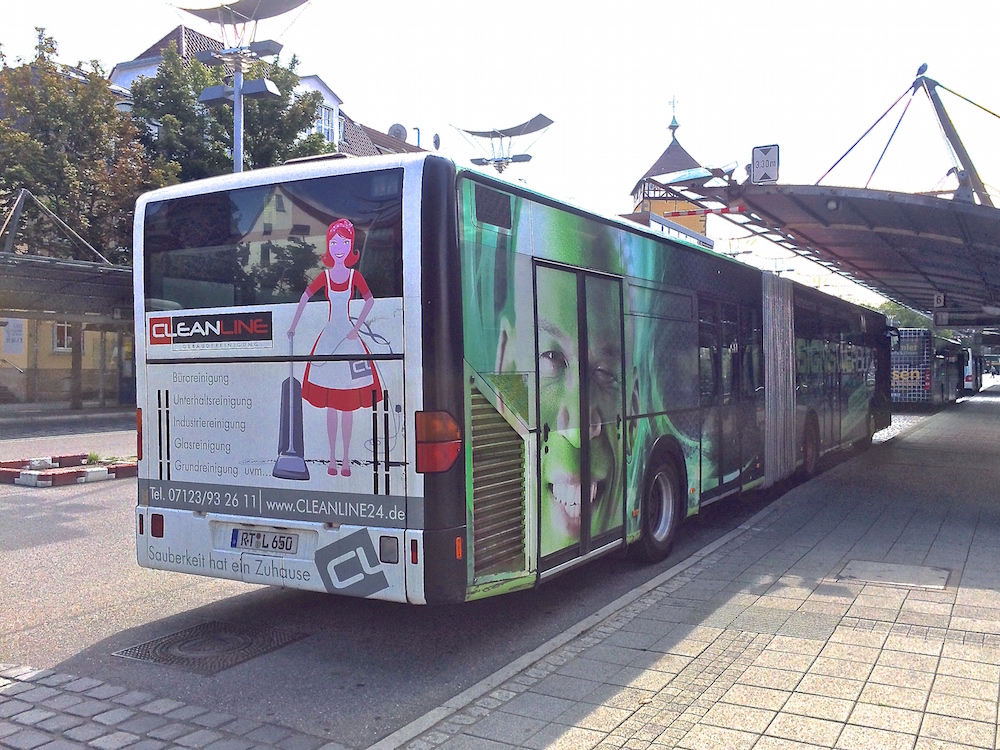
(930, 87)
(14, 218)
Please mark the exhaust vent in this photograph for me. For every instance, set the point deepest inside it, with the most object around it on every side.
(497, 491)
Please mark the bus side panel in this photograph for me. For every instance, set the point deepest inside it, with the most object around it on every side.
(882, 398)
(446, 576)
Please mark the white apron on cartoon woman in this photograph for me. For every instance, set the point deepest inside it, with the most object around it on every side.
(340, 375)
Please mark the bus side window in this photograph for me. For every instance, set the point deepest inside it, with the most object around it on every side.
(708, 352)
(730, 352)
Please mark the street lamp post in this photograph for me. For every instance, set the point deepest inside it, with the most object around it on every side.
(238, 119)
(239, 59)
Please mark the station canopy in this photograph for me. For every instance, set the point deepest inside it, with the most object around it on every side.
(940, 257)
(43, 288)
(56, 275)
(938, 254)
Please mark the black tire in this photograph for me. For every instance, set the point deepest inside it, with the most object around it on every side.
(863, 444)
(662, 507)
(810, 450)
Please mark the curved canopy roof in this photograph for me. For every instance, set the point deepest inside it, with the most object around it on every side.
(934, 255)
(536, 123)
(911, 248)
(244, 11)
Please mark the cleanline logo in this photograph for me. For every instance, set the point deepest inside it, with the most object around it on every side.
(218, 331)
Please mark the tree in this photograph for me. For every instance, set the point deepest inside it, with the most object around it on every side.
(62, 138)
(179, 129)
(904, 317)
(199, 139)
(273, 128)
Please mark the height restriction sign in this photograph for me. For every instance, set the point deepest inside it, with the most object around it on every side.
(764, 167)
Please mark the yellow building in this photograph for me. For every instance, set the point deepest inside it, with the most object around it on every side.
(36, 362)
(650, 194)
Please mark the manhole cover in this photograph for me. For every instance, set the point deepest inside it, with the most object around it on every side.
(210, 647)
(893, 574)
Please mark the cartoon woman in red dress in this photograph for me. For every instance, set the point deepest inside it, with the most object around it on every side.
(342, 386)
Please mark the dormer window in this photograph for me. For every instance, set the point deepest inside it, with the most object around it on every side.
(326, 123)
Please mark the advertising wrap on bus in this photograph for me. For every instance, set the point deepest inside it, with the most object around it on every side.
(216, 431)
(273, 384)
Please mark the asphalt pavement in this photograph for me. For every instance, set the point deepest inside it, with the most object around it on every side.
(39, 430)
(860, 609)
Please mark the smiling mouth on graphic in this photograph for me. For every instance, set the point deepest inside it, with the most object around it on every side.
(565, 493)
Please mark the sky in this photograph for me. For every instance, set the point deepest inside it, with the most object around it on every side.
(808, 75)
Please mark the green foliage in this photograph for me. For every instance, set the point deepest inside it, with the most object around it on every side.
(199, 139)
(180, 130)
(904, 317)
(272, 127)
(62, 138)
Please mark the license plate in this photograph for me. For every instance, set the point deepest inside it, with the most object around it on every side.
(269, 542)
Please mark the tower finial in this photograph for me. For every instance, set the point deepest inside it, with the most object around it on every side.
(673, 122)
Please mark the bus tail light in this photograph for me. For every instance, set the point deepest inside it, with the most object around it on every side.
(927, 379)
(439, 440)
(156, 525)
(138, 433)
(458, 548)
(141, 517)
(413, 552)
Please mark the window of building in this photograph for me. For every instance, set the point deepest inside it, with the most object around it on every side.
(62, 337)
(326, 123)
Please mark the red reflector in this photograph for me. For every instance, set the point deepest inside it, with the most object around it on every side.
(156, 525)
(138, 433)
(436, 457)
(141, 517)
(458, 548)
(439, 441)
(413, 551)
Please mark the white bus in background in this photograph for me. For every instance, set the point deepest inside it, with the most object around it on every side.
(973, 381)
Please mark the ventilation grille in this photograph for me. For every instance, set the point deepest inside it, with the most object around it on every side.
(497, 491)
(493, 207)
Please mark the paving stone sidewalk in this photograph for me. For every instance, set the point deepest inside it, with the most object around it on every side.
(761, 644)
(48, 710)
(760, 641)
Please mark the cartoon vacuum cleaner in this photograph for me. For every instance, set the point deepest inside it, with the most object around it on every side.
(291, 462)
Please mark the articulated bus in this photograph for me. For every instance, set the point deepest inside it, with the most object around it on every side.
(927, 369)
(396, 378)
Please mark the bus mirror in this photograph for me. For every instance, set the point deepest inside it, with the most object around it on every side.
(893, 333)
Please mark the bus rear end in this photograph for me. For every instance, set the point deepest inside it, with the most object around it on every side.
(912, 367)
(281, 383)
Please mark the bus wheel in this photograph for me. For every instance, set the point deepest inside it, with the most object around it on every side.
(810, 450)
(863, 444)
(661, 512)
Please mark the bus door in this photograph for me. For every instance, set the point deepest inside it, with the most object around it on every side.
(733, 413)
(581, 407)
(751, 390)
(722, 408)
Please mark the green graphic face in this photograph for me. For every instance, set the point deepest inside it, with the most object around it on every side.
(563, 428)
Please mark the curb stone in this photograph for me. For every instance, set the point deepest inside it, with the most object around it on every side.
(54, 471)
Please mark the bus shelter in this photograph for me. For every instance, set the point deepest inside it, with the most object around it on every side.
(938, 256)
(67, 332)
(937, 253)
